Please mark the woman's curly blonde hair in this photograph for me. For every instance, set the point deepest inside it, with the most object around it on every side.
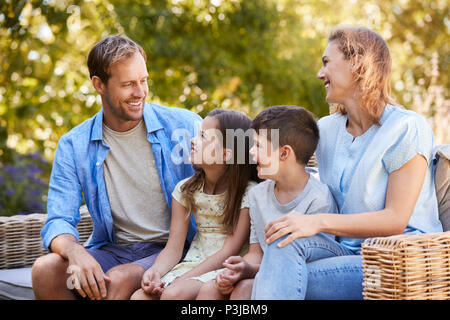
(371, 67)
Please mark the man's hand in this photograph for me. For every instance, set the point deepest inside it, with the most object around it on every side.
(87, 276)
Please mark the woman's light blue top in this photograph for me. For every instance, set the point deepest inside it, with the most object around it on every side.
(357, 170)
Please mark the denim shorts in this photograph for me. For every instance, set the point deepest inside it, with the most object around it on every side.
(141, 253)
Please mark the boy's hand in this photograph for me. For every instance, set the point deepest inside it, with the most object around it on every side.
(298, 225)
(151, 282)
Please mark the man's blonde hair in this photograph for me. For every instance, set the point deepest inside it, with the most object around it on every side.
(108, 51)
(371, 66)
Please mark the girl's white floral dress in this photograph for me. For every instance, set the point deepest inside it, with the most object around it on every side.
(210, 235)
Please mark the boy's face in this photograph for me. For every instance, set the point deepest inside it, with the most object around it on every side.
(265, 154)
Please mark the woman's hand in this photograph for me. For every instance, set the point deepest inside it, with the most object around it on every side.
(295, 224)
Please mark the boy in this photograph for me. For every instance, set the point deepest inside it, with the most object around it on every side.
(285, 138)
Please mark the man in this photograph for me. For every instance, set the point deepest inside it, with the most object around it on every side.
(123, 161)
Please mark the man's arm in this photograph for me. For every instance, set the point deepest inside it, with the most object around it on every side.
(64, 195)
(60, 234)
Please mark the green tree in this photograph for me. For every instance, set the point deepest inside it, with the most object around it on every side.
(202, 54)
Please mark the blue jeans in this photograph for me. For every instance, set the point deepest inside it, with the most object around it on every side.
(316, 268)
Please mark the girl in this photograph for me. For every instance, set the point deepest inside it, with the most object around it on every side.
(217, 196)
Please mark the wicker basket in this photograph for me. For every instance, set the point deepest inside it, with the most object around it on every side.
(21, 242)
(407, 267)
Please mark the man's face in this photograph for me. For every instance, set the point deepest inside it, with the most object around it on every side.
(123, 96)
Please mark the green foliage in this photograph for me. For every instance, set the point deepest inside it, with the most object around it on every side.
(202, 54)
(237, 55)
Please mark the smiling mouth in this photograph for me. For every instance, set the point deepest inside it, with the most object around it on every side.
(326, 83)
(134, 105)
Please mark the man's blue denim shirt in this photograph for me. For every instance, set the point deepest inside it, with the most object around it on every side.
(78, 171)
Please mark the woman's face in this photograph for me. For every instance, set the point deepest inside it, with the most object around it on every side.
(336, 75)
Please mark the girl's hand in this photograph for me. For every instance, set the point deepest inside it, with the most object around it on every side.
(238, 266)
(297, 225)
(223, 282)
(151, 282)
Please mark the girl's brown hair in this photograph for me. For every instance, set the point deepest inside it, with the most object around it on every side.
(237, 174)
(371, 61)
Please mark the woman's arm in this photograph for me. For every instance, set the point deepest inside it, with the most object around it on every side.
(403, 190)
(232, 246)
(172, 252)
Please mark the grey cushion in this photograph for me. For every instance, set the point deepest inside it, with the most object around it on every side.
(442, 184)
(15, 284)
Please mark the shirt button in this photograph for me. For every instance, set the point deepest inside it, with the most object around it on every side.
(97, 164)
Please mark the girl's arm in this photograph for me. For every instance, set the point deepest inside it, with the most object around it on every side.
(172, 252)
(403, 190)
(232, 246)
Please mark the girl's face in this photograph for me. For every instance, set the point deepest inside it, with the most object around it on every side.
(336, 75)
(206, 146)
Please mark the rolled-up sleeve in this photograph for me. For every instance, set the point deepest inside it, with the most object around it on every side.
(64, 195)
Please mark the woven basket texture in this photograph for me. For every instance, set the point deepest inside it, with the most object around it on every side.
(407, 267)
(21, 242)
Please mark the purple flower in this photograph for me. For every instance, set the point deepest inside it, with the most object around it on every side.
(35, 193)
(35, 156)
(10, 169)
(33, 168)
(10, 192)
(35, 206)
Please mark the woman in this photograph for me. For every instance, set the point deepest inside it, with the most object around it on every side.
(376, 159)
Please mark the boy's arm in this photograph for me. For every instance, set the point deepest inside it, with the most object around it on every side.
(254, 256)
(245, 267)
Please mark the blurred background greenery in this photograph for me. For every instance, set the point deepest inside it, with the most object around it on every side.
(202, 54)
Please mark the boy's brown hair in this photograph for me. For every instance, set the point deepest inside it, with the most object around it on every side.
(297, 128)
(108, 51)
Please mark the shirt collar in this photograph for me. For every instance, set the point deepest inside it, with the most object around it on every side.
(151, 121)
(386, 112)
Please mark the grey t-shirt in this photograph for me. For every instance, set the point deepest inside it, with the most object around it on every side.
(138, 207)
(264, 206)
